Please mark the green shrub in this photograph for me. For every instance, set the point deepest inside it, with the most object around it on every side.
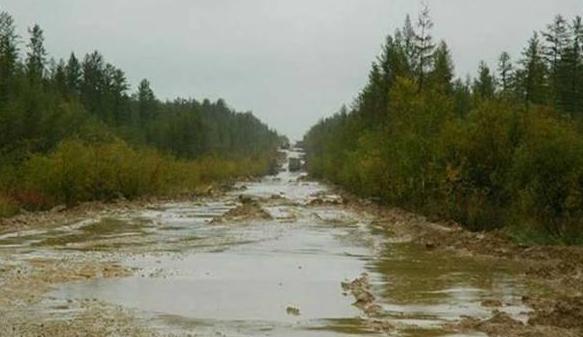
(547, 177)
(78, 171)
(499, 166)
(8, 207)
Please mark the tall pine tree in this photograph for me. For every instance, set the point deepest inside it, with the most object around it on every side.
(36, 56)
(8, 54)
(532, 77)
(424, 46)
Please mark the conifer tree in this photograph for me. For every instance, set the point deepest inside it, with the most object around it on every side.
(532, 76)
(442, 74)
(424, 46)
(485, 85)
(556, 39)
(462, 96)
(571, 71)
(8, 54)
(505, 76)
(146, 101)
(74, 75)
(410, 42)
(92, 85)
(36, 55)
(59, 77)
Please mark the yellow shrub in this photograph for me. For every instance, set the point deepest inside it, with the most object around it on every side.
(77, 171)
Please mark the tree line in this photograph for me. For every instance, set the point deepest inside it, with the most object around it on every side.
(51, 108)
(503, 149)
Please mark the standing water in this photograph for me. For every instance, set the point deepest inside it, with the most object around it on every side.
(275, 273)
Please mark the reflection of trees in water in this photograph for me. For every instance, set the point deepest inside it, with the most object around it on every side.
(411, 274)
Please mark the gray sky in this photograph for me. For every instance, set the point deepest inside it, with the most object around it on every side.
(289, 61)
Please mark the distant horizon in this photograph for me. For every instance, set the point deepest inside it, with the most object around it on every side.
(290, 63)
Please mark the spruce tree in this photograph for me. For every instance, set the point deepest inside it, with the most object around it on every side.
(532, 76)
(573, 70)
(8, 54)
(92, 85)
(485, 85)
(59, 77)
(557, 41)
(424, 46)
(36, 55)
(74, 75)
(442, 74)
(410, 42)
(505, 69)
(146, 101)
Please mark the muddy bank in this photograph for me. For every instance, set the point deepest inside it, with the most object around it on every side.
(557, 310)
(25, 312)
(62, 215)
(95, 319)
(27, 277)
(280, 256)
(501, 324)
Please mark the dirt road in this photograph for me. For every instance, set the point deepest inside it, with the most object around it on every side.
(278, 257)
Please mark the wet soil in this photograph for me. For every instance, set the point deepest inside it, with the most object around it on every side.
(281, 256)
(554, 274)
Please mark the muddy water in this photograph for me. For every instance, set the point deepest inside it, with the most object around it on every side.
(269, 277)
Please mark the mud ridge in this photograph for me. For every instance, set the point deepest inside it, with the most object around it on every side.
(559, 270)
(360, 289)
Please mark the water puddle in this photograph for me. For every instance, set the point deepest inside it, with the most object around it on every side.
(278, 277)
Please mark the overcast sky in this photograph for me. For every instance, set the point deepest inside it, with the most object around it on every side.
(291, 62)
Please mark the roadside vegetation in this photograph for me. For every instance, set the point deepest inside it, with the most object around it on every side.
(70, 131)
(503, 150)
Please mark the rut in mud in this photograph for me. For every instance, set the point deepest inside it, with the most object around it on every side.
(278, 257)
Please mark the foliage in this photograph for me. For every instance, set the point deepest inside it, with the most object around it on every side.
(78, 171)
(489, 153)
(70, 131)
(8, 207)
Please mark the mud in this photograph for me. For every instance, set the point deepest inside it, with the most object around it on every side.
(248, 210)
(360, 288)
(94, 319)
(563, 312)
(280, 256)
(501, 324)
(557, 309)
(23, 312)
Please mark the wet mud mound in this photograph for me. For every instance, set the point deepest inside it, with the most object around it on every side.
(566, 312)
(360, 288)
(501, 324)
(248, 210)
(326, 200)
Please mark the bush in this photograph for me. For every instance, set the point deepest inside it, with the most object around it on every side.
(498, 166)
(475, 157)
(8, 207)
(547, 177)
(78, 171)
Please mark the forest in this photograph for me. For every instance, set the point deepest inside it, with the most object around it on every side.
(502, 150)
(71, 131)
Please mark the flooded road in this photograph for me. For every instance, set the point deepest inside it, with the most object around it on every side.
(267, 259)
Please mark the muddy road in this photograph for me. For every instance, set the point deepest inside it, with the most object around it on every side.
(278, 257)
